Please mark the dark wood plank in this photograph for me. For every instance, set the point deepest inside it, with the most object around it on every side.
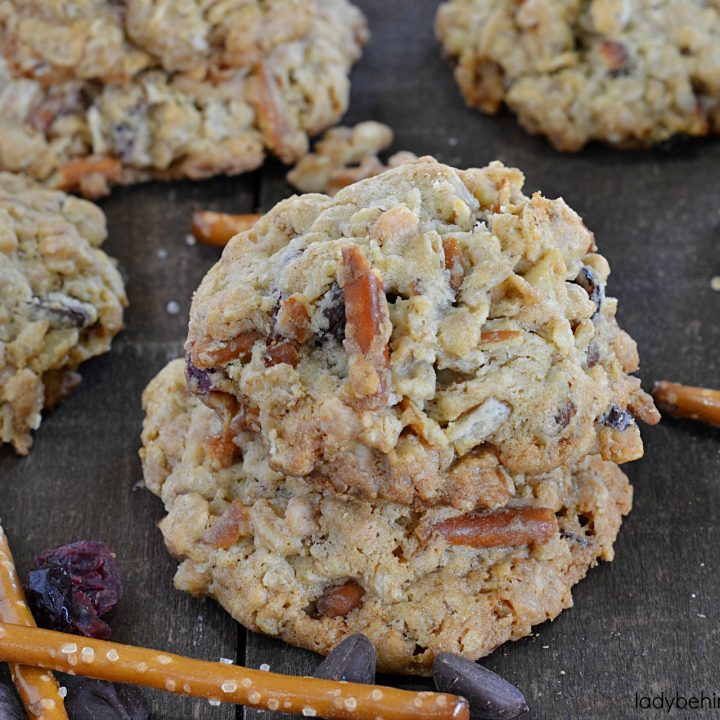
(80, 479)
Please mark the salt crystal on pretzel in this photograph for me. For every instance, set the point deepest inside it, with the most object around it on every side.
(38, 689)
(219, 682)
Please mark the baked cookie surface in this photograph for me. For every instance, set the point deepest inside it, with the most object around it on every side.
(308, 567)
(61, 300)
(418, 337)
(94, 93)
(630, 73)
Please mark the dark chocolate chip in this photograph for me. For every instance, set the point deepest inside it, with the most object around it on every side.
(577, 539)
(617, 418)
(332, 307)
(63, 311)
(96, 700)
(490, 696)
(589, 282)
(353, 660)
(9, 705)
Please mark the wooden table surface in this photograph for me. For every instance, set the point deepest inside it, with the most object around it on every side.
(647, 623)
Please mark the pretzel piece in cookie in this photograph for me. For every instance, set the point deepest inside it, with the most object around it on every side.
(504, 527)
(92, 176)
(38, 689)
(366, 314)
(215, 681)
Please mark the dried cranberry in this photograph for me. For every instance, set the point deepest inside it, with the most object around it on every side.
(199, 381)
(70, 588)
(97, 700)
(617, 418)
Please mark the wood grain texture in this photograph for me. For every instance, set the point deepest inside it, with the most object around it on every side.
(648, 622)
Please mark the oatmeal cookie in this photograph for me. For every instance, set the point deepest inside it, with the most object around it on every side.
(61, 300)
(417, 336)
(630, 73)
(94, 93)
(301, 564)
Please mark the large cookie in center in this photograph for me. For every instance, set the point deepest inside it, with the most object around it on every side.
(419, 337)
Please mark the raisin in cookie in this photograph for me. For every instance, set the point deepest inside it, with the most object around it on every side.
(61, 300)
(630, 73)
(98, 92)
(311, 568)
(422, 331)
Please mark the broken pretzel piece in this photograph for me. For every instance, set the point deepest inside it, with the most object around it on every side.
(453, 262)
(366, 315)
(287, 142)
(340, 600)
(504, 527)
(207, 354)
(233, 524)
(92, 176)
(684, 401)
(282, 351)
(216, 228)
(38, 689)
(222, 449)
(220, 682)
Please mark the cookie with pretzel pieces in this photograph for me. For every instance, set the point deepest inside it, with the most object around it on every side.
(629, 73)
(419, 337)
(302, 564)
(61, 300)
(96, 92)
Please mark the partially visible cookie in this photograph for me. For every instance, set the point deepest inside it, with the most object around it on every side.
(630, 73)
(61, 300)
(98, 94)
(311, 568)
(417, 336)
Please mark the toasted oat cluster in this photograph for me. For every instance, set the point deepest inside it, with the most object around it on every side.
(426, 337)
(345, 155)
(61, 300)
(631, 73)
(94, 92)
(310, 567)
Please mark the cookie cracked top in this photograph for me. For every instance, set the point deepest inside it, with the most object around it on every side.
(418, 337)
(630, 73)
(61, 300)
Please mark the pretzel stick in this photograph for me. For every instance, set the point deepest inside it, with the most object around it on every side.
(38, 689)
(306, 696)
(216, 229)
(683, 401)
